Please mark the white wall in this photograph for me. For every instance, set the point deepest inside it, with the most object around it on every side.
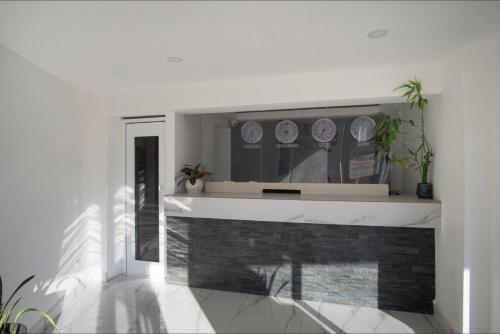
(444, 124)
(188, 142)
(463, 126)
(495, 221)
(44, 215)
(444, 120)
(336, 88)
(476, 102)
(115, 198)
(216, 145)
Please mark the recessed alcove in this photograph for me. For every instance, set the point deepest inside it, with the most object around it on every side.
(218, 144)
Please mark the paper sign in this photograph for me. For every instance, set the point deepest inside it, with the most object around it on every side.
(363, 165)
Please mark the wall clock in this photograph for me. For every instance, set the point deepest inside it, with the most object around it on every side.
(286, 131)
(363, 128)
(323, 130)
(251, 132)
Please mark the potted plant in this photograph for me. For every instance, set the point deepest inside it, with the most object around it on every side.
(387, 130)
(192, 177)
(7, 311)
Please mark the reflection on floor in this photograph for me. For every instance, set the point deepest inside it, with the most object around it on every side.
(132, 304)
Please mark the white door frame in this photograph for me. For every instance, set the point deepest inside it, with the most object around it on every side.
(137, 128)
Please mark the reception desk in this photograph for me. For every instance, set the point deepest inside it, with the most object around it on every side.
(368, 251)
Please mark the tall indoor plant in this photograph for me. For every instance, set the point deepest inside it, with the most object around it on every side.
(387, 130)
(7, 312)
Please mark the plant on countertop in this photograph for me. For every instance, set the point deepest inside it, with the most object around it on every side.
(387, 130)
(192, 173)
(7, 311)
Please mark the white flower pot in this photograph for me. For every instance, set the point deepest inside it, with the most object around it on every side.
(196, 188)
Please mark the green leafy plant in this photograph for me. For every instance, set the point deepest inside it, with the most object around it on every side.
(7, 311)
(387, 130)
(192, 173)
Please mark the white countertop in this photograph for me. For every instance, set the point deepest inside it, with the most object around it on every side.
(297, 197)
(389, 211)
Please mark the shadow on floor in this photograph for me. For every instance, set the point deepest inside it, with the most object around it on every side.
(139, 305)
(260, 314)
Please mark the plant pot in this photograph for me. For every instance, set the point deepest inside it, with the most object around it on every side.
(11, 329)
(194, 188)
(424, 190)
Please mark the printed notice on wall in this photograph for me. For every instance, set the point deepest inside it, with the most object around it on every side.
(363, 165)
(287, 145)
(252, 146)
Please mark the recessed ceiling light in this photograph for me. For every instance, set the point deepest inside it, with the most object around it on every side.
(174, 59)
(377, 33)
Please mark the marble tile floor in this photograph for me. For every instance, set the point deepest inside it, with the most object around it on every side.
(139, 305)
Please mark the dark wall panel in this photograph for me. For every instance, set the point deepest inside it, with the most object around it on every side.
(305, 160)
(384, 267)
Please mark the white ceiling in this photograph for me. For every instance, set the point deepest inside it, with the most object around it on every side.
(109, 46)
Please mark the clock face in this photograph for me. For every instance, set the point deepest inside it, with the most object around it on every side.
(363, 128)
(286, 131)
(251, 132)
(324, 130)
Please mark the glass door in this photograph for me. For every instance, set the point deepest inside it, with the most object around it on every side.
(145, 216)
